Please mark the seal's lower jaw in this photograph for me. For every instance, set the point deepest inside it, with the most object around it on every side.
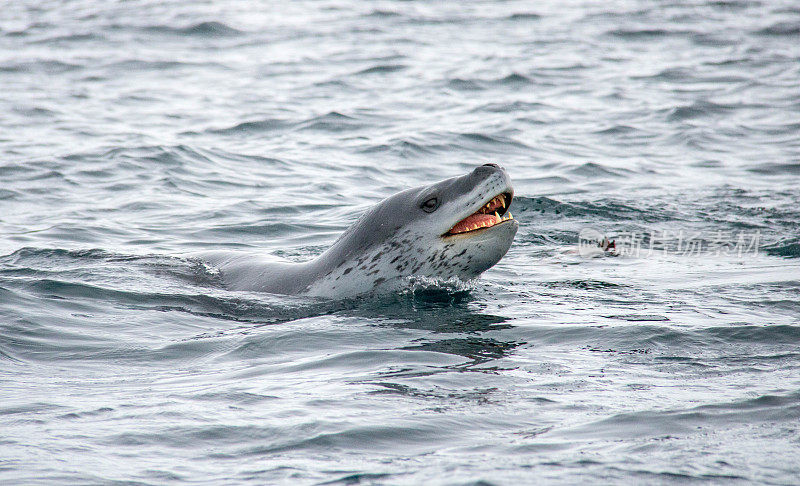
(493, 213)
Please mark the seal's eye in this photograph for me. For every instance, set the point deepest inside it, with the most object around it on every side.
(430, 205)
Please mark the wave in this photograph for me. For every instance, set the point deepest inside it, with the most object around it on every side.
(514, 79)
(789, 248)
(510, 80)
(406, 148)
(524, 16)
(249, 128)
(41, 66)
(690, 421)
(776, 169)
(380, 13)
(633, 33)
(65, 39)
(696, 110)
(331, 122)
(511, 107)
(781, 29)
(607, 210)
(382, 69)
(201, 29)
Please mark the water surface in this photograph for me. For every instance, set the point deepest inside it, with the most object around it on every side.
(134, 132)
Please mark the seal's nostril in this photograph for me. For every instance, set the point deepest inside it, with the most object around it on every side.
(492, 165)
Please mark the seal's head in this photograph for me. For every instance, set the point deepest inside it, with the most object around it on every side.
(458, 228)
(464, 223)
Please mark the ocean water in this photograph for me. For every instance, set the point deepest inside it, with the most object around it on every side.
(132, 132)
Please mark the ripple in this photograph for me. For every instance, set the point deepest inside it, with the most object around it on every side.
(464, 84)
(639, 317)
(134, 65)
(382, 69)
(477, 349)
(688, 421)
(786, 248)
(65, 39)
(641, 33)
(514, 79)
(524, 16)
(776, 169)
(696, 110)
(485, 139)
(252, 127)
(514, 106)
(41, 66)
(331, 122)
(201, 29)
(406, 148)
(380, 13)
(781, 29)
(591, 169)
(605, 210)
(734, 4)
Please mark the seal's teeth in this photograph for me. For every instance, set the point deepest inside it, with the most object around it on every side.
(503, 200)
(510, 216)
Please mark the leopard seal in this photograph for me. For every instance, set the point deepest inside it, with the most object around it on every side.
(456, 228)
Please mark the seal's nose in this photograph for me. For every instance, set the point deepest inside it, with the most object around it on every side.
(488, 169)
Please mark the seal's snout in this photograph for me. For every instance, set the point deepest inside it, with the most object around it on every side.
(487, 169)
(490, 171)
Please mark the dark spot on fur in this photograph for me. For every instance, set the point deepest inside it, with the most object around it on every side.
(398, 257)
(462, 252)
(347, 270)
(379, 281)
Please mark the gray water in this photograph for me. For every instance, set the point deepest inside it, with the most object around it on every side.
(133, 132)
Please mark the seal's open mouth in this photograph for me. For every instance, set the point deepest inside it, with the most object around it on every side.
(492, 213)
